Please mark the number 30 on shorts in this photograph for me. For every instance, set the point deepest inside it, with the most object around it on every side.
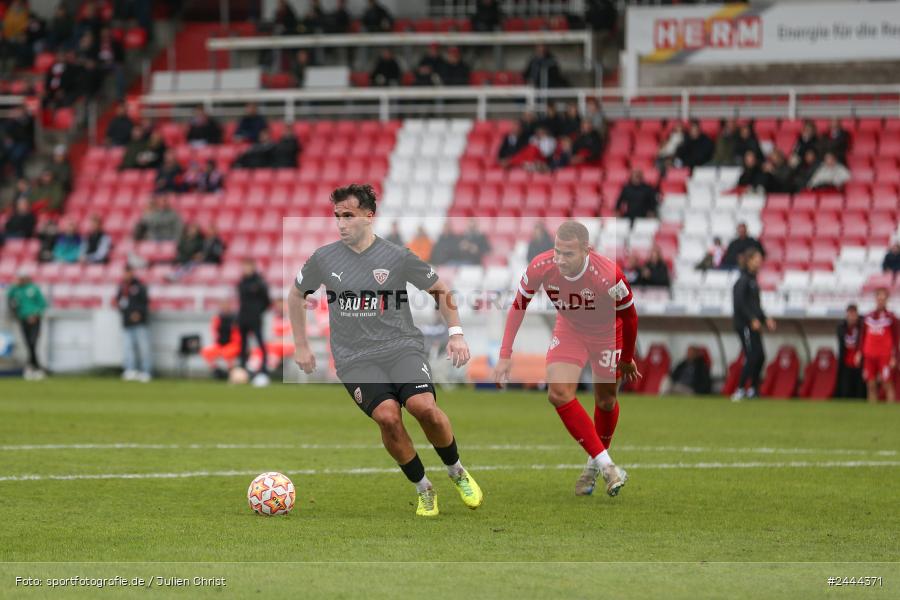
(610, 358)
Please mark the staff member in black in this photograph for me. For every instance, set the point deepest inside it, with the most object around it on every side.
(850, 383)
(253, 294)
(748, 322)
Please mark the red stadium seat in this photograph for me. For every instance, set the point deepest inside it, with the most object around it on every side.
(782, 374)
(733, 375)
(655, 369)
(820, 376)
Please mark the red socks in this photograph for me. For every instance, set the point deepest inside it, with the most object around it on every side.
(605, 422)
(580, 426)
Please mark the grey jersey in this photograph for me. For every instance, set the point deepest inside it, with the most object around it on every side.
(368, 308)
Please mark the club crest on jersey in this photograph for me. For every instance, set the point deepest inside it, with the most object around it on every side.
(587, 294)
(554, 342)
(357, 395)
(381, 275)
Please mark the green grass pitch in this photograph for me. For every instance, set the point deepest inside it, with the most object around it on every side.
(759, 499)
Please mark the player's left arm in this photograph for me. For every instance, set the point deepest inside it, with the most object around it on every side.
(627, 319)
(423, 276)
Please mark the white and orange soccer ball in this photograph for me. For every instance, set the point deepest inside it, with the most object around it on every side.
(271, 494)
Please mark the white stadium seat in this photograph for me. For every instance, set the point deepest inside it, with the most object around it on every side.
(795, 280)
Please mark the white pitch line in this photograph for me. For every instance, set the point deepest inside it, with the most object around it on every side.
(473, 447)
(475, 469)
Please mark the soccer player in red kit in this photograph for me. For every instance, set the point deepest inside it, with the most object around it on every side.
(596, 322)
(879, 347)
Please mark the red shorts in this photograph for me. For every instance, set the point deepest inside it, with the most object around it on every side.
(877, 366)
(571, 346)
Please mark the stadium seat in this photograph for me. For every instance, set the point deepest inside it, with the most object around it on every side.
(782, 374)
(819, 376)
(655, 369)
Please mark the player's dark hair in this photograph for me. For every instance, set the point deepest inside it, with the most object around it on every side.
(852, 307)
(573, 230)
(363, 192)
(750, 253)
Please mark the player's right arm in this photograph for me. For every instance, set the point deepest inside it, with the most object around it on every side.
(307, 282)
(528, 286)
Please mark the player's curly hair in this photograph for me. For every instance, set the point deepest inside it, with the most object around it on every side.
(363, 192)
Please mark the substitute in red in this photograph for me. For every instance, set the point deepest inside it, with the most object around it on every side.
(598, 324)
(879, 348)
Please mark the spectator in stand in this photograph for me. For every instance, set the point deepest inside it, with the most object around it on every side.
(387, 70)
(540, 241)
(16, 140)
(691, 375)
(473, 245)
(203, 129)
(285, 21)
(62, 83)
(213, 246)
(189, 250)
(67, 248)
(713, 257)
(752, 176)
(259, 155)
(588, 145)
(570, 122)
(376, 18)
(21, 223)
(807, 139)
(338, 21)
(446, 249)
(250, 125)
(488, 16)
(601, 15)
(830, 174)
(110, 57)
(835, 141)
(134, 304)
(739, 246)
(655, 272)
(512, 143)
(47, 236)
(777, 173)
(96, 244)
(850, 383)
(91, 20)
(529, 122)
(22, 192)
(421, 244)
(394, 236)
(302, 61)
(61, 29)
(14, 42)
(431, 68)
(160, 222)
(593, 114)
(211, 179)
(637, 200)
(723, 154)
(48, 194)
(27, 304)
(61, 169)
(313, 22)
(551, 120)
(170, 176)
(632, 270)
(802, 173)
(891, 262)
(543, 70)
(456, 71)
(143, 153)
(562, 156)
(746, 142)
(665, 157)
(286, 151)
(697, 149)
(253, 294)
(537, 154)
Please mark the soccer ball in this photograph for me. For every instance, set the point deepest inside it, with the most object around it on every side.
(238, 376)
(271, 494)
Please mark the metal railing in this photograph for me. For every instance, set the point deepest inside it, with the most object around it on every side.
(499, 102)
(395, 40)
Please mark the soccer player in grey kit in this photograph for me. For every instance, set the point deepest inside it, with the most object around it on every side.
(379, 353)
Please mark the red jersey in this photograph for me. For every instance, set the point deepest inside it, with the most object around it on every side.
(588, 301)
(596, 302)
(879, 333)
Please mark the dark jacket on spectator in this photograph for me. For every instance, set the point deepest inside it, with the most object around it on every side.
(377, 18)
(253, 293)
(386, 72)
(487, 17)
(589, 144)
(285, 153)
(835, 142)
(118, 132)
(511, 144)
(695, 152)
(213, 250)
(693, 373)
(209, 132)
(891, 262)
(654, 274)
(636, 201)
(445, 250)
(249, 128)
(132, 299)
(753, 177)
(20, 226)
